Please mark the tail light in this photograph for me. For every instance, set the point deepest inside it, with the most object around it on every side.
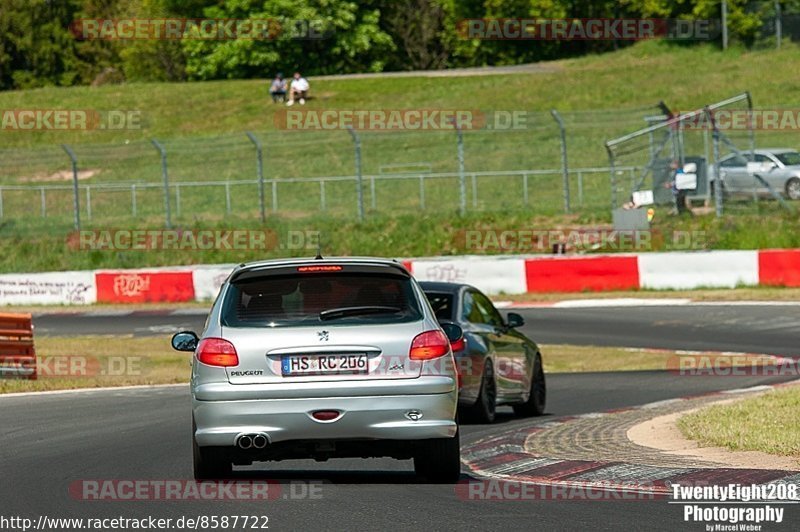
(458, 345)
(217, 352)
(429, 345)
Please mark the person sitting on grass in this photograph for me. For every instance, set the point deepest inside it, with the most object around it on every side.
(298, 90)
(278, 88)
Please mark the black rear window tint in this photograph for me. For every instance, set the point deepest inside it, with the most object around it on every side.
(298, 299)
(442, 305)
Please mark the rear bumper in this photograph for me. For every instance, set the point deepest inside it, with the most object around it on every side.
(224, 391)
(219, 422)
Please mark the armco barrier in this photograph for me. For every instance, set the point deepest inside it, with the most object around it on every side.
(17, 355)
(685, 270)
(577, 274)
(493, 274)
(779, 267)
(145, 286)
(53, 288)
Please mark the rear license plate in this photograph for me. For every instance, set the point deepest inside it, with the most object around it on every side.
(323, 364)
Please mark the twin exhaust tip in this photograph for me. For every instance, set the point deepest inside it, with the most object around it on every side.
(252, 441)
(260, 440)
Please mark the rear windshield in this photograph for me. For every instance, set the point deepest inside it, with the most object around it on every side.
(442, 305)
(312, 299)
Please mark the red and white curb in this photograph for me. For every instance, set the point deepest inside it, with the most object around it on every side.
(497, 274)
(504, 457)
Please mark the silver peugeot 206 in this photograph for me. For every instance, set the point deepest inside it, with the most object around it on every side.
(323, 358)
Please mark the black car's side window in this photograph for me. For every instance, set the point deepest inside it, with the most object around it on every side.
(490, 314)
(470, 310)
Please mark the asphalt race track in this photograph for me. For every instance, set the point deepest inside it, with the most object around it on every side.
(769, 329)
(52, 441)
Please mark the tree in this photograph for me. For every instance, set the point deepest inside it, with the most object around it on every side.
(37, 48)
(352, 40)
(418, 28)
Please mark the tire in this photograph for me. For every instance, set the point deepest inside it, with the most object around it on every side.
(209, 463)
(537, 397)
(439, 460)
(793, 189)
(483, 411)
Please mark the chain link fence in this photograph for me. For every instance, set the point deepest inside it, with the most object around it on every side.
(544, 165)
(556, 162)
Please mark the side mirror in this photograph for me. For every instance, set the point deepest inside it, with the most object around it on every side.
(515, 320)
(185, 341)
(455, 334)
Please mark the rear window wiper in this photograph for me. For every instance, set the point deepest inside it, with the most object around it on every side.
(334, 313)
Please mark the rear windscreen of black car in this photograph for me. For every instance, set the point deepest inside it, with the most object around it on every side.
(301, 299)
(442, 305)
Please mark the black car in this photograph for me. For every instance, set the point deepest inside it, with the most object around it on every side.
(498, 365)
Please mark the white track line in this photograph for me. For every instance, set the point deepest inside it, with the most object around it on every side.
(89, 390)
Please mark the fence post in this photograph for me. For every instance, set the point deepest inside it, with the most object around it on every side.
(227, 197)
(778, 26)
(525, 189)
(462, 185)
(88, 202)
(421, 193)
(44, 202)
(717, 167)
(76, 201)
(260, 170)
(274, 195)
(359, 179)
(165, 175)
(322, 194)
(564, 167)
(372, 193)
(133, 200)
(724, 9)
(580, 188)
(474, 191)
(752, 138)
(613, 175)
(717, 175)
